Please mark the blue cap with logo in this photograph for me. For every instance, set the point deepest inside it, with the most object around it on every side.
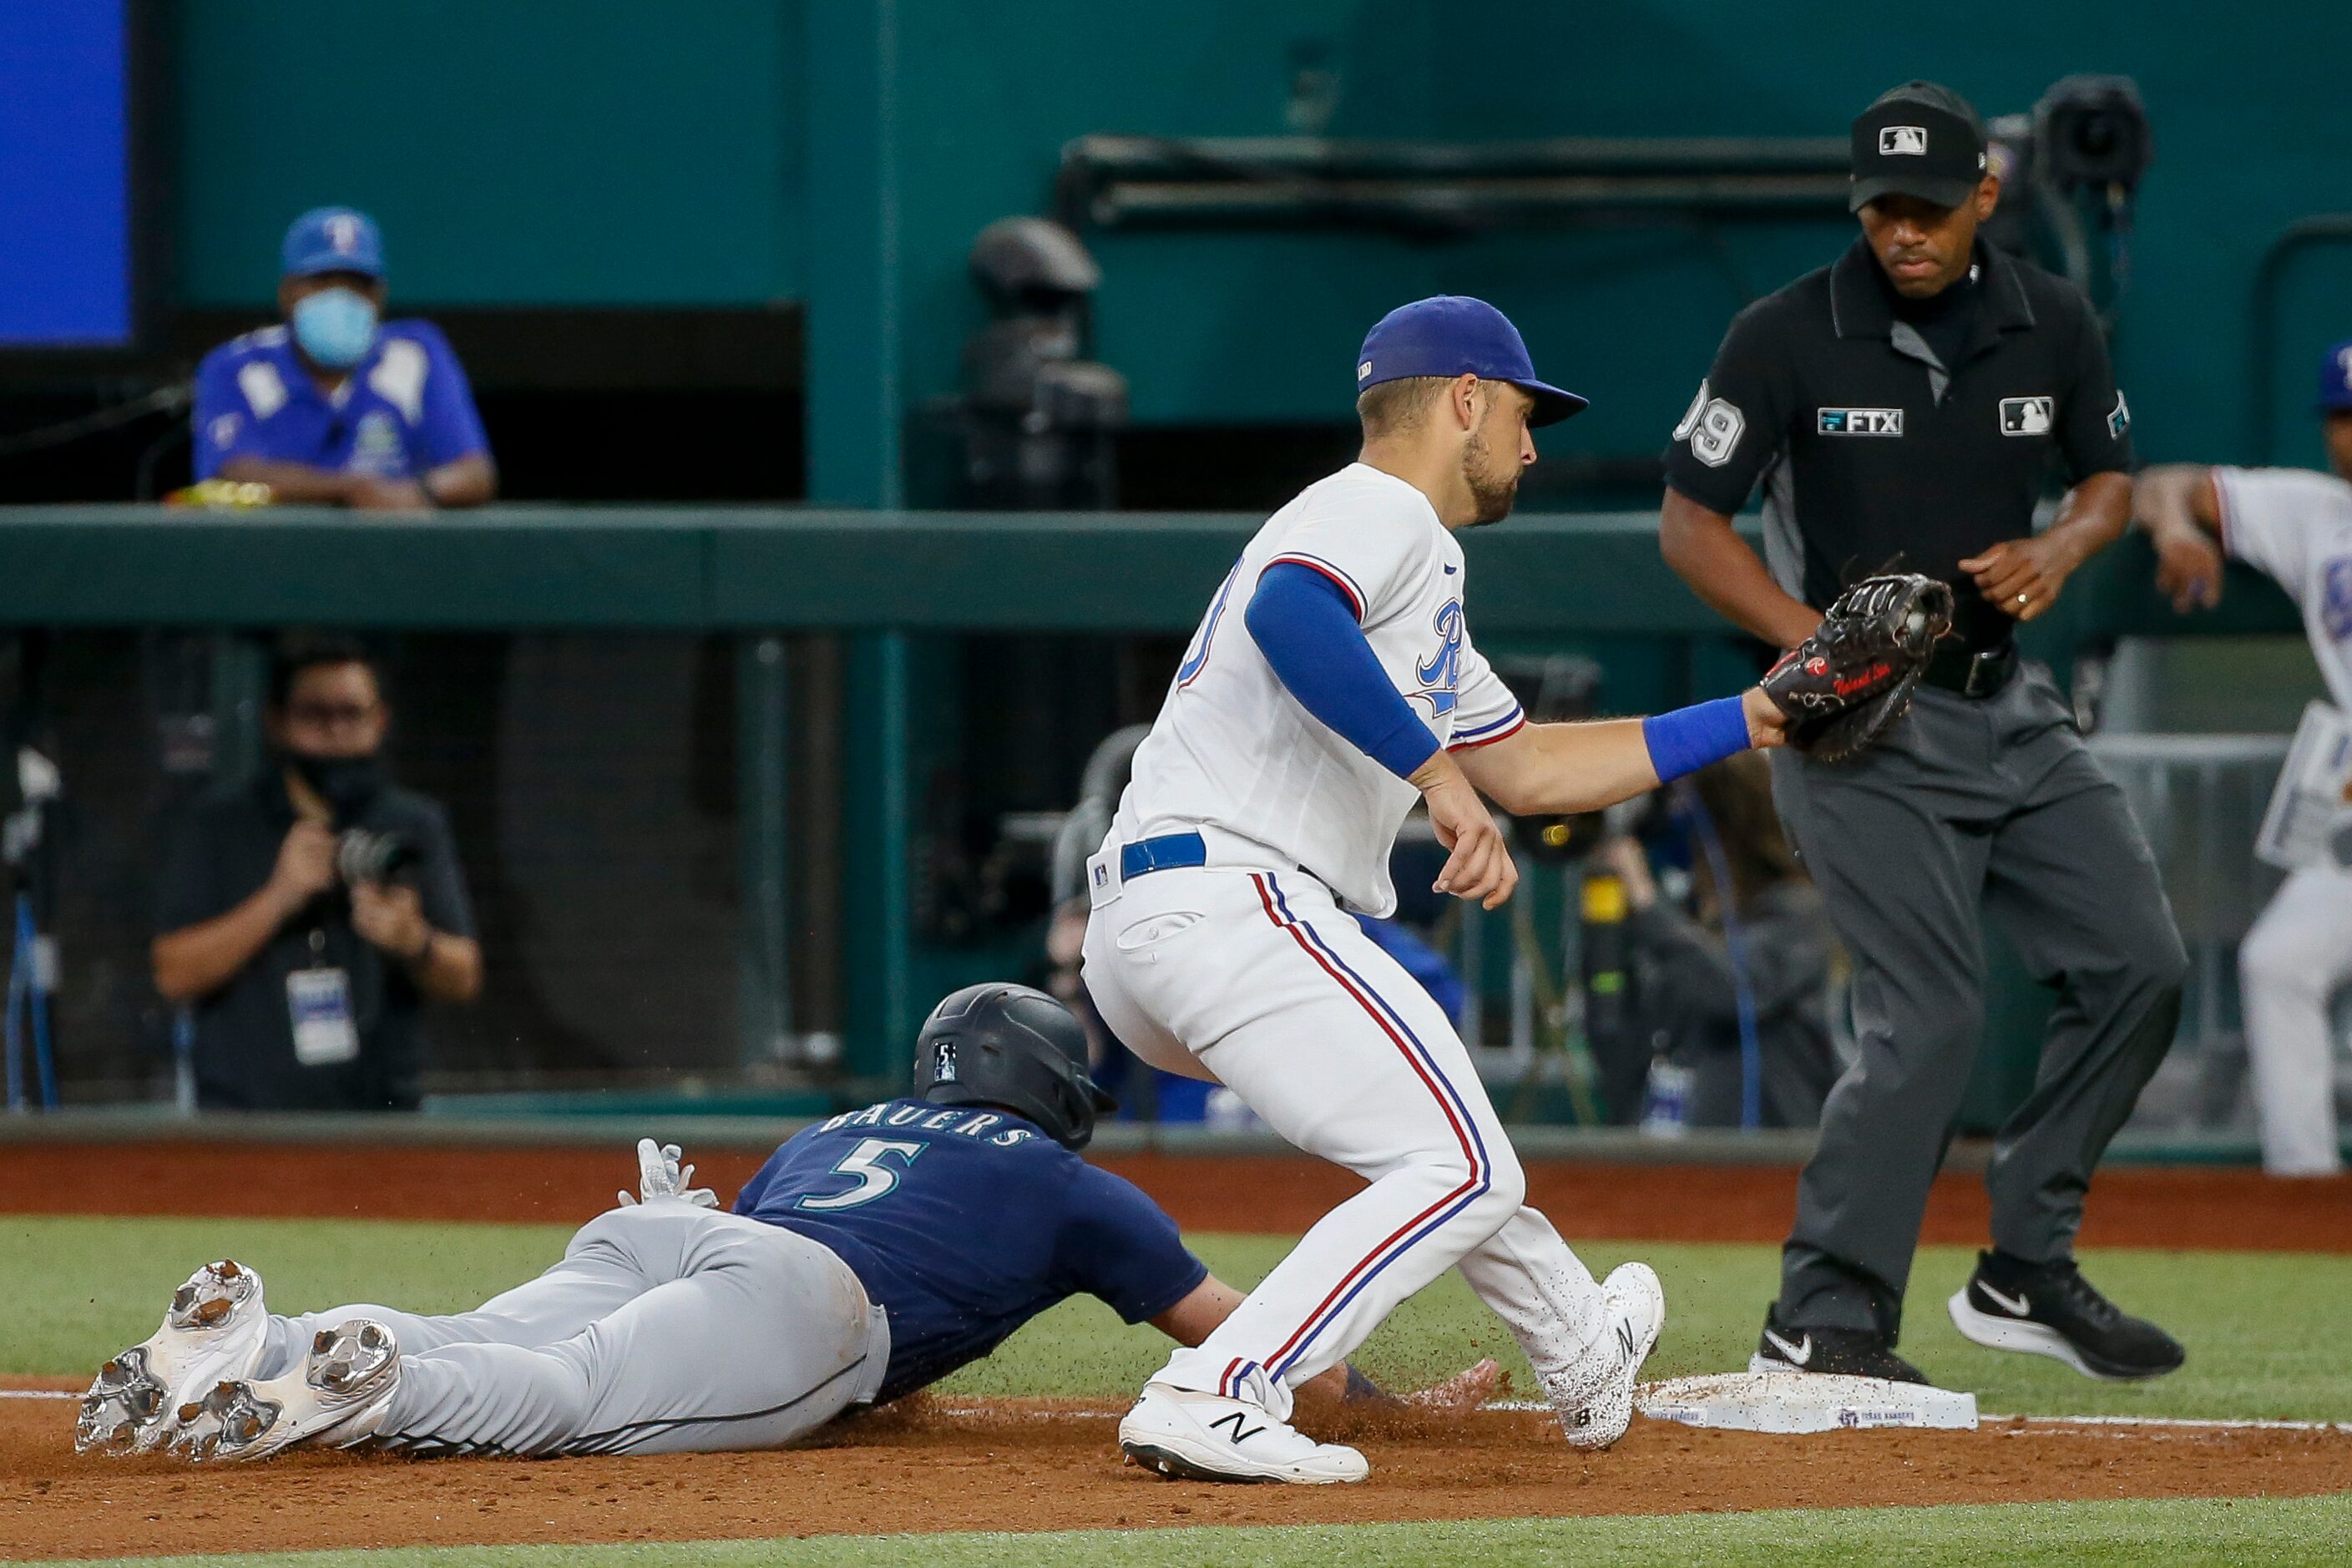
(2336, 380)
(1451, 335)
(334, 240)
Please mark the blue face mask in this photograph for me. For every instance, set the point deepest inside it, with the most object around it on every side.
(335, 327)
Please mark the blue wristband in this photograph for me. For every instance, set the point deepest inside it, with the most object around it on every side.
(1688, 738)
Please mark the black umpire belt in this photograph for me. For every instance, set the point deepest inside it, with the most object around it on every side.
(1981, 673)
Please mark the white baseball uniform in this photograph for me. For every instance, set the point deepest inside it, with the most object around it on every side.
(1250, 970)
(2296, 527)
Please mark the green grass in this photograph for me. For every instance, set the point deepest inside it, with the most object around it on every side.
(2269, 1334)
(2179, 1533)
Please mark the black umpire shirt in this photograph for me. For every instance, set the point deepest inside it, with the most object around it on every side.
(1878, 452)
(222, 854)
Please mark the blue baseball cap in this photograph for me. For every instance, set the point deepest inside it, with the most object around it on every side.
(1452, 334)
(334, 240)
(2336, 380)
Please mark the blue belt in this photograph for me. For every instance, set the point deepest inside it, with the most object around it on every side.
(1165, 853)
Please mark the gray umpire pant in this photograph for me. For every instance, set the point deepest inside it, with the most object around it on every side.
(1992, 803)
(666, 1329)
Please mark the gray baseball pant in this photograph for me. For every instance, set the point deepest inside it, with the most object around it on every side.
(665, 1329)
(1991, 804)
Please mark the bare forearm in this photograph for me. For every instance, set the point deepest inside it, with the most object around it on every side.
(2176, 496)
(196, 961)
(1708, 552)
(471, 480)
(450, 969)
(292, 481)
(1563, 769)
(2093, 517)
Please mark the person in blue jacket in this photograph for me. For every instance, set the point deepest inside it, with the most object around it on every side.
(334, 405)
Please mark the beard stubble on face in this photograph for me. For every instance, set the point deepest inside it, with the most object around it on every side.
(1490, 492)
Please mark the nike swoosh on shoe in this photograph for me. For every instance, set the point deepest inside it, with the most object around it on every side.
(1798, 1354)
(2016, 1307)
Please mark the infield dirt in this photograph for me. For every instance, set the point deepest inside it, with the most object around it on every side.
(1019, 1466)
(1025, 1466)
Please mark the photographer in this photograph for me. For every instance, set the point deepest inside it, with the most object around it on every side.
(1686, 981)
(306, 915)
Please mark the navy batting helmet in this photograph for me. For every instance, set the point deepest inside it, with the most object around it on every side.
(997, 1044)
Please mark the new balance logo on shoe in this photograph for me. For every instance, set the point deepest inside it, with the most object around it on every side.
(1625, 1340)
(2016, 1306)
(1237, 1435)
(1797, 1355)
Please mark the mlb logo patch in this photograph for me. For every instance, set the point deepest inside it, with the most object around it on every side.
(1859, 421)
(2026, 416)
(945, 1072)
(1903, 140)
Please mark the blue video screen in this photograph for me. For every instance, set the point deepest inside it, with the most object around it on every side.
(66, 267)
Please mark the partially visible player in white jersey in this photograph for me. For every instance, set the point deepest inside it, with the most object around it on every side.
(2295, 526)
(1331, 685)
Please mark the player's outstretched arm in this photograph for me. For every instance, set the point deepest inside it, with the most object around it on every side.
(2180, 509)
(1561, 769)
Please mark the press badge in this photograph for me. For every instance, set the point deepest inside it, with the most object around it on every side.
(321, 1002)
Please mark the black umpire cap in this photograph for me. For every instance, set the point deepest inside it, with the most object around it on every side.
(1920, 140)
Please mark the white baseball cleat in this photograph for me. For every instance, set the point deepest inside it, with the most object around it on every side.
(1599, 1405)
(1182, 1435)
(334, 1399)
(214, 1329)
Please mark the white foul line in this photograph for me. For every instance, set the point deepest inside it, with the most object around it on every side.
(2175, 1422)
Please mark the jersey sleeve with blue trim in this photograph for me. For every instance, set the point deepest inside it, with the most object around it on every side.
(2270, 518)
(1116, 1245)
(1375, 545)
(1485, 710)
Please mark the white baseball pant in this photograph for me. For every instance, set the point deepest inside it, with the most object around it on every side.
(2292, 964)
(665, 1329)
(1260, 981)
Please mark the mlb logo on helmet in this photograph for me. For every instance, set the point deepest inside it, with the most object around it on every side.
(1908, 141)
(943, 1068)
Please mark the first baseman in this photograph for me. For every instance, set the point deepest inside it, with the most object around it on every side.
(1331, 685)
(872, 1254)
(2296, 528)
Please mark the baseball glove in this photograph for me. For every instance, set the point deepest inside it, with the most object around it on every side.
(1848, 682)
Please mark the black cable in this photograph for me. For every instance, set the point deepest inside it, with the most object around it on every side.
(169, 399)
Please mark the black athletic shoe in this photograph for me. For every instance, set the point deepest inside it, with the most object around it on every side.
(2049, 1309)
(1850, 1352)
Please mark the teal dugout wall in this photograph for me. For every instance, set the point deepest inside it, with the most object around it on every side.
(598, 152)
(843, 153)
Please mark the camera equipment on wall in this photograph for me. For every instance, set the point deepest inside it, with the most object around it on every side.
(2071, 169)
(1036, 416)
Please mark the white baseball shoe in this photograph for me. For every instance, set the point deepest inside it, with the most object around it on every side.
(334, 1399)
(214, 1329)
(1182, 1435)
(1595, 1400)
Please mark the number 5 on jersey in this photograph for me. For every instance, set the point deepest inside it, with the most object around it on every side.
(874, 1177)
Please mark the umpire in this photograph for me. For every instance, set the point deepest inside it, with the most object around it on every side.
(1903, 408)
